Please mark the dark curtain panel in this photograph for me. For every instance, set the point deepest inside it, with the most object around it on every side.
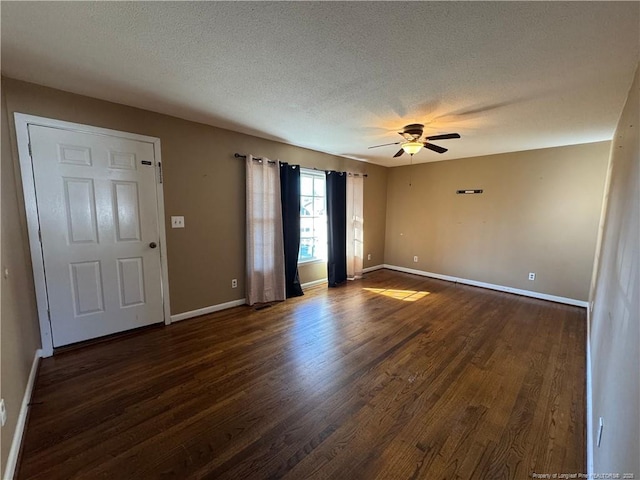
(290, 197)
(337, 227)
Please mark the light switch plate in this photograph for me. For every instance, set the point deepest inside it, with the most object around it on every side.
(177, 222)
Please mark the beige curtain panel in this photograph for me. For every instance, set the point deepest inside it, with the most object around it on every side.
(355, 226)
(265, 244)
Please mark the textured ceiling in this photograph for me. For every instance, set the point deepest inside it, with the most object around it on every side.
(341, 76)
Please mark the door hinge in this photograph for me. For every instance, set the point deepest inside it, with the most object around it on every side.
(160, 170)
(40, 235)
(30, 152)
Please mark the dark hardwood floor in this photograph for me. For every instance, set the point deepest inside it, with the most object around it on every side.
(364, 381)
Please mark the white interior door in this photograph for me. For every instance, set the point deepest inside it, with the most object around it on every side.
(98, 216)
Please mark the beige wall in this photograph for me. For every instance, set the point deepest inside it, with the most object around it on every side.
(203, 182)
(615, 321)
(539, 213)
(19, 334)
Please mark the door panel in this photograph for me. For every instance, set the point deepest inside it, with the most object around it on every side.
(80, 209)
(131, 281)
(126, 206)
(74, 154)
(86, 287)
(98, 215)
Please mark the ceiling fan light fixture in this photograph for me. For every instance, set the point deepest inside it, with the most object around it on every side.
(412, 147)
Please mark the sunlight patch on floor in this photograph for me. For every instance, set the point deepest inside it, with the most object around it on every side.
(404, 295)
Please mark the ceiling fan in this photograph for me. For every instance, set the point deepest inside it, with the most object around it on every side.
(412, 143)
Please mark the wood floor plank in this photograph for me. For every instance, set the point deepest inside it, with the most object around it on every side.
(394, 376)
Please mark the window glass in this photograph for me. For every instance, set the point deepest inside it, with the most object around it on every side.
(306, 184)
(313, 220)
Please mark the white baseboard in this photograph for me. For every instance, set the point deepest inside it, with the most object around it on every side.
(314, 283)
(590, 431)
(21, 424)
(203, 311)
(372, 269)
(491, 286)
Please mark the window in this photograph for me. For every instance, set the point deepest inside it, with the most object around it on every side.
(313, 216)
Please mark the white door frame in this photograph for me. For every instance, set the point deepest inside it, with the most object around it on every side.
(22, 121)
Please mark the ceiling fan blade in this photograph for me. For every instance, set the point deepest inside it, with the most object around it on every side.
(400, 152)
(386, 144)
(435, 148)
(444, 136)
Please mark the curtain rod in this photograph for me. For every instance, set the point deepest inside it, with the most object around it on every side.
(257, 159)
(351, 174)
(239, 155)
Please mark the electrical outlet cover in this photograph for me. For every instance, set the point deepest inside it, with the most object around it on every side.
(177, 222)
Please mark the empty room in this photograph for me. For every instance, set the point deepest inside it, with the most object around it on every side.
(320, 240)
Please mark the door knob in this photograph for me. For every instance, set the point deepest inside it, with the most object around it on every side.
(153, 244)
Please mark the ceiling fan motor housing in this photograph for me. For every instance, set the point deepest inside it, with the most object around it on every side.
(415, 130)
